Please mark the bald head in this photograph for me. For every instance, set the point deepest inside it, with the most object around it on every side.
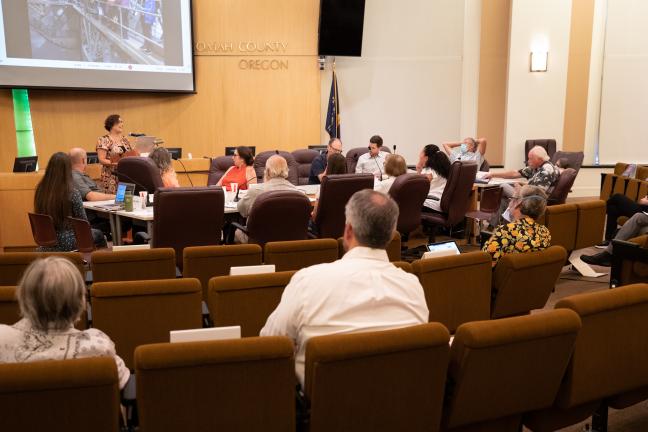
(78, 155)
(276, 167)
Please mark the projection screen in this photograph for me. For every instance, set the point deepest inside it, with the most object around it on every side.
(97, 44)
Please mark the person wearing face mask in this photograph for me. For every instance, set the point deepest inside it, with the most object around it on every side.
(374, 161)
(470, 149)
(523, 233)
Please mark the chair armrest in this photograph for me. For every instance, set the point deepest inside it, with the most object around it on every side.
(239, 226)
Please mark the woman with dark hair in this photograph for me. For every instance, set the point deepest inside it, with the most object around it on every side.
(435, 165)
(162, 159)
(57, 197)
(110, 148)
(242, 173)
(336, 164)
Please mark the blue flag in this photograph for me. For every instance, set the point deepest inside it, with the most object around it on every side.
(333, 112)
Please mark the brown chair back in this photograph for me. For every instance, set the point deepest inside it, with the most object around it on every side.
(335, 192)
(240, 384)
(454, 201)
(205, 262)
(279, 216)
(563, 185)
(143, 264)
(13, 264)
(141, 171)
(217, 168)
(354, 154)
(457, 288)
(9, 309)
(246, 300)
(504, 368)
(523, 281)
(398, 379)
(135, 313)
(74, 395)
(261, 159)
(409, 191)
(562, 221)
(609, 359)
(574, 159)
(190, 216)
(83, 234)
(43, 230)
(591, 223)
(304, 159)
(547, 144)
(298, 254)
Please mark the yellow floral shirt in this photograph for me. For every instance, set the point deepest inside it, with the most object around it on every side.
(523, 235)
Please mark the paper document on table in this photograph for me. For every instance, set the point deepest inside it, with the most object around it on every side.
(481, 174)
(230, 204)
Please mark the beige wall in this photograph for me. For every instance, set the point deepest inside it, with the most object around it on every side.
(266, 108)
(580, 48)
(493, 65)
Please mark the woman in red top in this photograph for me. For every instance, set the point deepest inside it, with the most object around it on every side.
(242, 173)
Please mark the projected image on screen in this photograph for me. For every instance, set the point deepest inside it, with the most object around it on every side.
(113, 44)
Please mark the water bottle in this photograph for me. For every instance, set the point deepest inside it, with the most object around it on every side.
(128, 201)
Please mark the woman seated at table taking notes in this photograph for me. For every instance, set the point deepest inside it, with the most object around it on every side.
(435, 165)
(394, 166)
(162, 159)
(523, 234)
(57, 197)
(242, 173)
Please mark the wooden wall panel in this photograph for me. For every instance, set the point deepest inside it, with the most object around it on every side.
(16, 200)
(8, 148)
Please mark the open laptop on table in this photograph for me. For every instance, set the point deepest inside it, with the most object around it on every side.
(122, 188)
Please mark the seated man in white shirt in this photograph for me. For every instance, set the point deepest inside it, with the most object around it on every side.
(274, 179)
(374, 161)
(361, 292)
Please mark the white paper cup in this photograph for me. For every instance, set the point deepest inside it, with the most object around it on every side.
(143, 195)
(234, 187)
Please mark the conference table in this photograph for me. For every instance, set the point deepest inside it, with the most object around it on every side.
(146, 214)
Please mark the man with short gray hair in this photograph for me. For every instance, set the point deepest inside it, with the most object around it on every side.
(360, 292)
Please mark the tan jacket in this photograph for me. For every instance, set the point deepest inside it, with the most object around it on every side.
(276, 184)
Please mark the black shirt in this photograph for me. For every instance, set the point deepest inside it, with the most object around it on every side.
(317, 167)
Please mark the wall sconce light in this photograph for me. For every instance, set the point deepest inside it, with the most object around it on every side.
(539, 61)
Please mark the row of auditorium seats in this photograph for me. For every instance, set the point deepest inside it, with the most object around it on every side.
(634, 188)
(629, 261)
(575, 226)
(546, 371)
(139, 312)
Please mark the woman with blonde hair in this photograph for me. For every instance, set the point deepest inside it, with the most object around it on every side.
(394, 166)
(162, 159)
(51, 297)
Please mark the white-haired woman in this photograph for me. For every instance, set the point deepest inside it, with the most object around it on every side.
(51, 296)
(523, 233)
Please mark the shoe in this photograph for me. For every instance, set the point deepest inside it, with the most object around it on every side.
(603, 259)
(603, 245)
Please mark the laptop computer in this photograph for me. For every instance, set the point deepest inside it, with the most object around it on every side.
(441, 249)
(122, 188)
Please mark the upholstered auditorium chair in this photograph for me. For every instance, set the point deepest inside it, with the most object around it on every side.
(409, 191)
(217, 168)
(9, 310)
(133, 265)
(629, 261)
(298, 254)
(13, 264)
(277, 216)
(457, 288)
(573, 159)
(562, 222)
(230, 385)
(548, 144)
(141, 171)
(558, 194)
(591, 223)
(455, 199)
(354, 154)
(377, 381)
(60, 395)
(135, 313)
(260, 162)
(335, 192)
(304, 159)
(404, 265)
(246, 300)
(393, 248)
(523, 281)
(502, 369)
(206, 262)
(190, 216)
(608, 366)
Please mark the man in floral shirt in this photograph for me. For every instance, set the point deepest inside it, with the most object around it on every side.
(523, 234)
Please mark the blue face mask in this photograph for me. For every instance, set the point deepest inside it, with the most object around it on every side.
(464, 148)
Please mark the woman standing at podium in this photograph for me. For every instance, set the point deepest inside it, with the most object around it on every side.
(110, 148)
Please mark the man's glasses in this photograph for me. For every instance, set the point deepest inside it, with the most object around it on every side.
(334, 150)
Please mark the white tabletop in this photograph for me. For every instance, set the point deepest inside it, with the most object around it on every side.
(139, 213)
